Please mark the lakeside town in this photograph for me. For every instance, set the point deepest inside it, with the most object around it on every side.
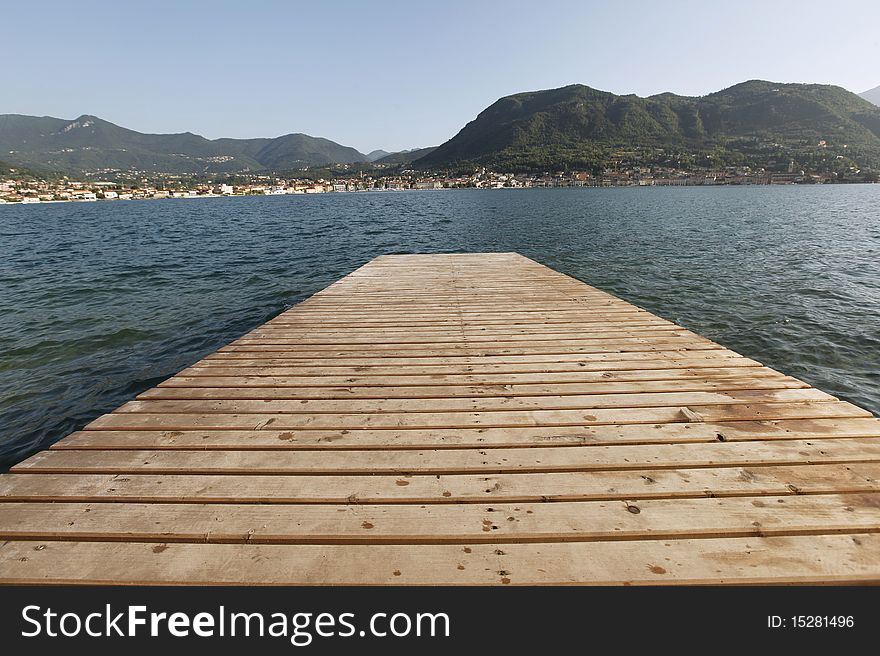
(29, 189)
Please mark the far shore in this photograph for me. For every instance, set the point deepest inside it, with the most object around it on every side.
(189, 195)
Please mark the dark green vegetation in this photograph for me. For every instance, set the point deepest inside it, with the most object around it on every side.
(7, 169)
(756, 123)
(872, 95)
(405, 157)
(373, 155)
(92, 144)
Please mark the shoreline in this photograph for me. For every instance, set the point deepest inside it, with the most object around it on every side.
(373, 191)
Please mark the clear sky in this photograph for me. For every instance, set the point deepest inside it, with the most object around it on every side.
(405, 74)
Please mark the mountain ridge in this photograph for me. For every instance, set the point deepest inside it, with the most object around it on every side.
(404, 157)
(751, 121)
(872, 95)
(373, 155)
(89, 143)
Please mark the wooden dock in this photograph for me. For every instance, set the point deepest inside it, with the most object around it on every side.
(457, 419)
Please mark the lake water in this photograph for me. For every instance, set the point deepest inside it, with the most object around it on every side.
(99, 301)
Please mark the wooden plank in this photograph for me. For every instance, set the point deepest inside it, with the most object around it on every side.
(444, 524)
(608, 332)
(418, 341)
(507, 329)
(180, 391)
(401, 323)
(792, 559)
(581, 359)
(430, 366)
(599, 309)
(771, 480)
(519, 437)
(499, 419)
(596, 380)
(487, 403)
(401, 351)
(445, 461)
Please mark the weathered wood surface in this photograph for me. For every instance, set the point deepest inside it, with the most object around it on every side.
(457, 419)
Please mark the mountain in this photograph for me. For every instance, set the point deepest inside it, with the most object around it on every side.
(373, 155)
(89, 143)
(294, 151)
(872, 95)
(752, 122)
(404, 157)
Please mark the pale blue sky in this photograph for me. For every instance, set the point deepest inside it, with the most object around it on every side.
(395, 75)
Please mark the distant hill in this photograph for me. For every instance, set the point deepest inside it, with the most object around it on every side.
(373, 155)
(293, 151)
(404, 157)
(9, 169)
(755, 121)
(89, 143)
(872, 95)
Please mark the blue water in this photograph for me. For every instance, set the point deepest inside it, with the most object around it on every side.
(99, 301)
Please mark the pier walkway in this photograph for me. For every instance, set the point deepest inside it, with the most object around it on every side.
(457, 419)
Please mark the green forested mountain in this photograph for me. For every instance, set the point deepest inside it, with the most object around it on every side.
(373, 155)
(89, 143)
(404, 157)
(754, 122)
